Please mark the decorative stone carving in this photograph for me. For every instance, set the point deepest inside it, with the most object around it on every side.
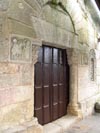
(35, 50)
(20, 49)
(92, 63)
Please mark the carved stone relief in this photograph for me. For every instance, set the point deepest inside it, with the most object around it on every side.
(35, 50)
(92, 63)
(20, 49)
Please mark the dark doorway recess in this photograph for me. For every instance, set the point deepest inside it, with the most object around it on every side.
(51, 84)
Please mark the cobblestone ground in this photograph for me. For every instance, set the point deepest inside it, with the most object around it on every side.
(90, 124)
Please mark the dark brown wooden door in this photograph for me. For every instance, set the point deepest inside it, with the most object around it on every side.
(51, 84)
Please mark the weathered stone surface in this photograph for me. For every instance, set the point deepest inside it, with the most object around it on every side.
(35, 129)
(26, 74)
(15, 114)
(4, 5)
(35, 50)
(29, 127)
(7, 68)
(84, 83)
(83, 58)
(9, 74)
(4, 50)
(18, 28)
(4, 42)
(14, 95)
(56, 34)
(20, 49)
(24, 21)
(51, 15)
(22, 12)
(9, 80)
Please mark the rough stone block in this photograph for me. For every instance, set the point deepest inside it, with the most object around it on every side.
(9, 80)
(7, 68)
(21, 29)
(4, 50)
(6, 97)
(26, 74)
(4, 5)
(35, 129)
(16, 113)
(22, 12)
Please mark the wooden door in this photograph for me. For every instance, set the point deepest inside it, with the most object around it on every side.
(51, 84)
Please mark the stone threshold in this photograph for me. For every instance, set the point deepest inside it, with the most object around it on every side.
(60, 125)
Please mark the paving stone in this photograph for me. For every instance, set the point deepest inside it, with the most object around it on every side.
(91, 124)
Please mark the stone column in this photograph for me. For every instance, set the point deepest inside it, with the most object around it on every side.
(73, 107)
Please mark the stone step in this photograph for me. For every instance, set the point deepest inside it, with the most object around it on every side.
(60, 125)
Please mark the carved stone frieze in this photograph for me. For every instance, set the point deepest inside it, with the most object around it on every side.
(20, 49)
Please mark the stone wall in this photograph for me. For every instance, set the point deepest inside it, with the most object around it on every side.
(24, 26)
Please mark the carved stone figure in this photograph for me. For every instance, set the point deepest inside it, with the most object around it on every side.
(20, 49)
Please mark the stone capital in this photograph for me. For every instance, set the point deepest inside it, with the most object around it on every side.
(35, 50)
(36, 44)
(72, 55)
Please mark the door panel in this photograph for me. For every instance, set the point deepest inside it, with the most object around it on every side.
(51, 84)
(47, 55)
(55, 55)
